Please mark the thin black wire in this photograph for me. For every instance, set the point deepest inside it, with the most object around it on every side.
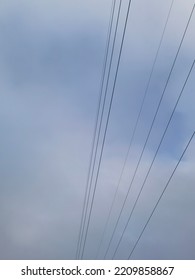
(105, 132)
(161, 195)
(106, 90)
(135, 128)
(87, 191)
(150, 130)
(102, 113)
(104, 102)
(148, 172)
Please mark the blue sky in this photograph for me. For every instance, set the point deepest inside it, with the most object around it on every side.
(51, 59)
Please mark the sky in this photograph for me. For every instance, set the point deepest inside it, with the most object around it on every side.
(51, 64)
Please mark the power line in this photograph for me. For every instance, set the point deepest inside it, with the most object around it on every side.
(148, 172)
(150, 130)
(135, 128)
(87, 191)
(168, 182)
(106, 90)
(110, 106)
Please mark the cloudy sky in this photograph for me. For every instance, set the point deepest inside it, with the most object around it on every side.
(51, 61)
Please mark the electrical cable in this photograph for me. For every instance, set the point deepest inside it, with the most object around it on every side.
(104, 102)
(167, 184)
(150, 130)
(135, 128)
(107, 121)
(148, 172)
(103, 108)
(87, 191)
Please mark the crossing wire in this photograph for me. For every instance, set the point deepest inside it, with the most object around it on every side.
(107, 121)
(150, 130)
(87, 191)
(153, 160)
(156, 205)
(135, 129)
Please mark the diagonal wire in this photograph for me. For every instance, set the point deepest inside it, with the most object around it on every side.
(150, 130)
(107, 121)
(102, 113)
(135, 129)
(148, 172)
(87, 191)
(161, 195)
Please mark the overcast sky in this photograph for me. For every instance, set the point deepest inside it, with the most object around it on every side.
(51, 61)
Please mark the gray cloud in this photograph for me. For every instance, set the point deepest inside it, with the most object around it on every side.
(51, 64)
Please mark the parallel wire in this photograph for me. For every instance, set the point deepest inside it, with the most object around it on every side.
(148, 172)
(104, 102)
(168, 182)
(150, 130)
(135, 129)
(91, 170)
(108, 117)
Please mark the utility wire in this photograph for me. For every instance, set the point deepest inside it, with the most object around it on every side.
(107, 121)
(134, 129)
(87, 191)
(106, 90)
(161, 196)
(103, 108)
(148, 172)
(150, 130)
